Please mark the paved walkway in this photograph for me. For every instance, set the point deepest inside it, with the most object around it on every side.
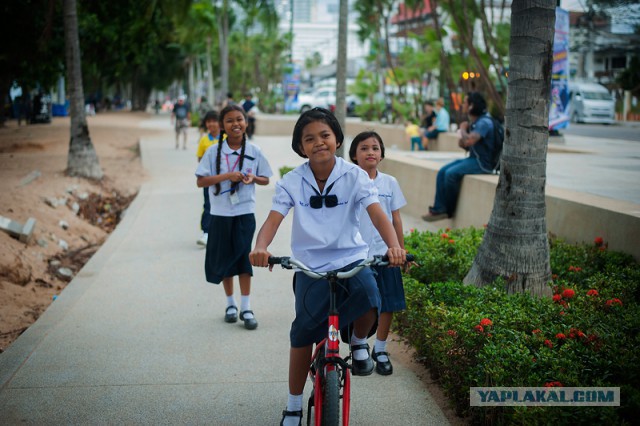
(138, 336)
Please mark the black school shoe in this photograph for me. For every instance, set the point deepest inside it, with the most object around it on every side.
(249, 323)
(286, 413)
(231, 317)
(362, 367)
(382, 367)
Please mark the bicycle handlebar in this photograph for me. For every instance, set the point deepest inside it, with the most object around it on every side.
(288, 263)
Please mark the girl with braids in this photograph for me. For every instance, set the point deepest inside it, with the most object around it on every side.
(230, 171)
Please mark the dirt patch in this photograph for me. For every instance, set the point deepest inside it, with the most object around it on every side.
(73, 216)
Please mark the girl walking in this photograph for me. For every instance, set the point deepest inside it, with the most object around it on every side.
(367, 151)
(231, 170)
(328, 195)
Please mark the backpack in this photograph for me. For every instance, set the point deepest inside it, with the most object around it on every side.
(498, 142)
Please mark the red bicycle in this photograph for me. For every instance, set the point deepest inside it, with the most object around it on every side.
(329, 372)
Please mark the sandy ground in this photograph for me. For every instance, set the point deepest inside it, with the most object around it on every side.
(71, 212)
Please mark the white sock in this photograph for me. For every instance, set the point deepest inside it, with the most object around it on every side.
(245, 305)
(381, 346)
(359, 354)
(231, 302)
(294, 403)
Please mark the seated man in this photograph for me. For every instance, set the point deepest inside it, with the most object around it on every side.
(478, 139)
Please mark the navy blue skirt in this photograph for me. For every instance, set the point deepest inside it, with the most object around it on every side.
(391, 289)
(355, 298)
(228, 247)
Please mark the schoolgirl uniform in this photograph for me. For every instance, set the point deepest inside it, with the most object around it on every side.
(232, 211)
(389, 279)
(327, 238)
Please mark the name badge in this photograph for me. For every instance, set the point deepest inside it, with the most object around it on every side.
(234, 198)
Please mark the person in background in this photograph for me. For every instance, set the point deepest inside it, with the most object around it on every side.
(428, 118)
(181, 118)
(442, 122)
(413, 133)
(212, 137)
(250, 108)
(476, 137)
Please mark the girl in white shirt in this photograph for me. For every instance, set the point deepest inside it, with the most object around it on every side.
(367, 151)
(325, 237)
(231, 171)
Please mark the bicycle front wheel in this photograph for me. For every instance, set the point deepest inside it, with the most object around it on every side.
(331, 403)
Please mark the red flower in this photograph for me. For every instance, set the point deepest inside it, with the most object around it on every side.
(451, 242)
(554, 276)
(592, 292)
(612, 302)
(581, 334)
(560, 336)
(548, 343)
(575, 268)
(603, 248)
(568, 293)
(479, 328)
(598, 241)
(557, 298)
(411, 230)
(452, 333)
(562, 313)
(444, 235)
(553, 385)
(536, 331)
(533, 359)
(448, 229)
(485, 322)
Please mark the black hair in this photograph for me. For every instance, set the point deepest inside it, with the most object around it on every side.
(429, 103)
(362, 136)
(211, 115)
(479, 104)
(224, 112)
(315, 114)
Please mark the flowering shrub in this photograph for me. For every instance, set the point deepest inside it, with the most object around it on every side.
(587, 334)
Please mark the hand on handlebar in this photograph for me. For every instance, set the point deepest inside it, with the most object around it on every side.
(397, 256)
(260, 257)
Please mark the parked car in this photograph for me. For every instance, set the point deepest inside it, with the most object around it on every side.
(324, 98)
(591, 103)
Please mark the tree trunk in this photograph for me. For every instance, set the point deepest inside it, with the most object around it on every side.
(341, 69)
(82, 160)
(210, 89)
(515, 244)
(223, 32)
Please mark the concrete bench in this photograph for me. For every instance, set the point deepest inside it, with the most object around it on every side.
(573, 216)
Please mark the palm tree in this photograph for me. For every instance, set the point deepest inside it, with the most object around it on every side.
(82, 160)
(515, 245)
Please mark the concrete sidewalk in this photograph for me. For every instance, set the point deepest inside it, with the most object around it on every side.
(138, 336)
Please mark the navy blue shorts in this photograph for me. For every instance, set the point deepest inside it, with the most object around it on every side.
(391, 289)
(228, 247)
(354, 299)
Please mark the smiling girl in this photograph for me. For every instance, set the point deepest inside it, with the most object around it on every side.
(328, 195)
(231, 172)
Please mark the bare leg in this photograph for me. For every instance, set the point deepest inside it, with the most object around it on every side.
(227, 282)
(245, 284)
(384, 325)
(299, 361)
(363, 325)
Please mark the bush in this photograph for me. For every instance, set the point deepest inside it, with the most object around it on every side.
(588, 334)
(284, 170)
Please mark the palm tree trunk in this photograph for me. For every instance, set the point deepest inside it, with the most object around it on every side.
(341, 68)
(210, 89)
(515, 245)
(82, 160)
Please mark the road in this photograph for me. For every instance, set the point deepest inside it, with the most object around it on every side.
(629, 131)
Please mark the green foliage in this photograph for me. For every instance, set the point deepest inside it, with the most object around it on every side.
(284, 170)
(586, 335)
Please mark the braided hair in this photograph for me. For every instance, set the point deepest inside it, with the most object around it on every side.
(224, 112)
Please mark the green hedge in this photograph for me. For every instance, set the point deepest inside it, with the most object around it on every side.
(588, 334)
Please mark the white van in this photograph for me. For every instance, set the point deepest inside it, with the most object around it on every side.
(591, 103)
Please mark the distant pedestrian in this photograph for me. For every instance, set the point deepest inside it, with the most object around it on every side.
(181, 117)
(208, 140)
(231, 171)
(250, 108)
(367, 151)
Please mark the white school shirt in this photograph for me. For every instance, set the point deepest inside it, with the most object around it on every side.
(254, 162)
(391, 199)
(325, 239)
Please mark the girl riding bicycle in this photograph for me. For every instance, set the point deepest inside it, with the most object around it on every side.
(367, 151)
(328, 194)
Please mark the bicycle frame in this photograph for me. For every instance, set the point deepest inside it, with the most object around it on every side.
(326, 357)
